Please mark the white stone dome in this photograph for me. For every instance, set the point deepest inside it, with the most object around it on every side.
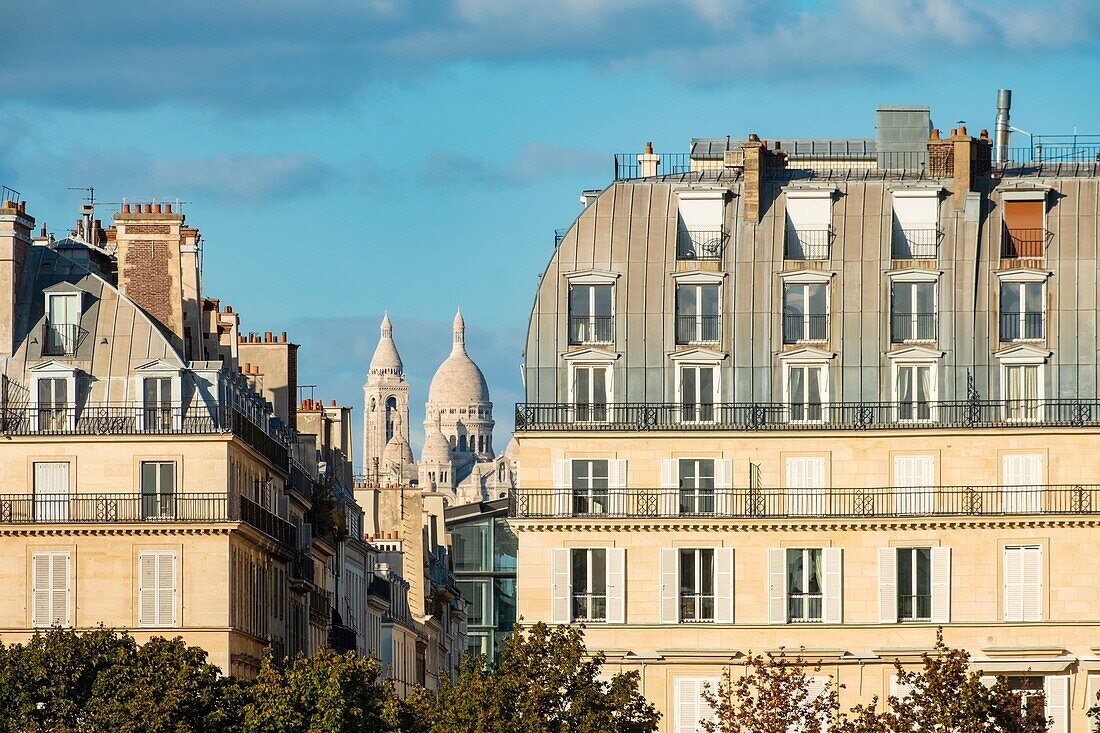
(458, 381)
(386, 360)
(397, 451)
(436, 448)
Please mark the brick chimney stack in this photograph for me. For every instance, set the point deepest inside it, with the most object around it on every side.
(15, 241)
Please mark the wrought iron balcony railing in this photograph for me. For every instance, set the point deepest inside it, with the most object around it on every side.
(830, 416)
(1023, 326)
(1023, 242)
(342, 638)
(700, 244)
(914, 244)
(698, 329)
(807, 244)
(758, 503)
(799, 327)
(912, 327)
(61, 339)
(591, 329)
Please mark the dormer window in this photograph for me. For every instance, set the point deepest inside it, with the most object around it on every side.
(809, 224)
(53, 404)
(62, 329)
(590, 314)
(157, 403)
(159, 392)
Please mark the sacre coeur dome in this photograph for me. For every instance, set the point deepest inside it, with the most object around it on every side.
(458, 381)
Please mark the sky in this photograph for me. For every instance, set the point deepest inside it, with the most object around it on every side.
(346, 157)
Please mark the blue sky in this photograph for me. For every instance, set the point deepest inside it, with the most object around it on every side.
(349, 156)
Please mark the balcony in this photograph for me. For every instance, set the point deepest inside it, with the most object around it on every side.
(693, 244)
(905, 327)
(807, 244)
(831, 416)
(301, 569)
(342, 638)
(320, 604)
(61, 339)
(1017, 326)
(800, 327)
(591, 329)
(915, 244)
(1023, 242)
(871, 502)
(698, 329)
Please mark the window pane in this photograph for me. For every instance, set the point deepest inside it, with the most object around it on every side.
(148, 477)
(687, 571)
(582, 385)
(813, 382)
(470, 544)
(167, 478)
(710, 300)
(580, 474)
(706, 385)
(580, 571)
(579, 303)
(797, 385)
(685, 301)
(599, 474)
(792, 300)
(905, 572)
(706, 572)
(814, 574)
(817, 298)
(599, 385)
(903, 297)
(925, 297)
(505, 603)
(706, 473)
(599, 572)
(687, 473)
(794, 572)
(1010, 298)
(1033, 297)
(602, 299)
(924, 570)
(688, 386)
(505, 546)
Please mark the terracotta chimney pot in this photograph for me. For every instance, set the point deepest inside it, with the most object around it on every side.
(649, 148)
(126, 208)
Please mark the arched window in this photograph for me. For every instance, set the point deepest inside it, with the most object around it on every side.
(462, 443)
(391, 410)
(453, 443)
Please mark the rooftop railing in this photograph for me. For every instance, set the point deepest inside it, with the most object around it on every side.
(1024, 242)
(61, 339)
(824, 416)
(914, 244)
(772, 503)
(700, 244)
(807, 244)
(591, 329)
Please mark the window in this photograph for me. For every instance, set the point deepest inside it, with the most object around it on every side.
(157, 588)
(62, 324)
(157, 403)
(53, 404)
(696, 482)
(809, 219)
(50, 589)
(691, 708)
(590, 314)
(1023, 583)
(914, 584)
(590, 482)
(1048, 696)
(915, 391)
(697, 313)
(805, 582)
(479, 607)
(1030, 688)
(505, 547)
(1024, 228)
(807, 389)
(698, 392)
(700, 231)
(51, 492)
(391, 413)
(158, 489)
(805, 485)
(471, 545)
(912, 311)
(589, 585)
(1022, 479)
(914, 479)
(696, 585)
(915, 224)
(1023, 316)
(805, 312)
(591, 390)
(1022, 384)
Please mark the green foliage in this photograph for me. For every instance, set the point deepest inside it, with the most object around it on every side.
(545, 683)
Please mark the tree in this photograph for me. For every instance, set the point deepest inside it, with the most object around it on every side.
(326, 693)
(545, 683)
(773, 695)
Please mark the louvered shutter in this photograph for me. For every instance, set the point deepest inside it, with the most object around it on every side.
(51, 491)
(1022, 475)
(562, 490)
(723, 487)
(832, 605)
(723, 585)
(815, 688)
(166, 589)
(670, 585)
(147, 589)
(617, 487)
(887, 585)
(59, 589)
(941, 584)
(1032, 584)
(560, 582)
(40, 589)
(670, 494)
(691, 708)
(1056, 692)
(616, 585)
(1013, 582)
(898, 690)
(1092, 698)
(777, 585)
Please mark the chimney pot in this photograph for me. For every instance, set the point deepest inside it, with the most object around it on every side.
(157, 208)
(126, 208)
(649, 148)
(935, 133)
(962, 129)
(267, 337)
(334, 403)
(984, 134)
(229, 309)
(753, 137)
(168, 208)
(282, 337)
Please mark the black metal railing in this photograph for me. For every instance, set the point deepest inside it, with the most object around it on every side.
(697, 244)
(111, 508)
(61, 339)
(748, 503)
(320, 603)
(628, 167)
(301, 567)
(912, 327)
(807, 244)
(698, 329)
(559, 234)
(799, 327)
(301, 481)
(915, 244)
(1023, 242)
(275, 527)
(380, 588)
(342, 638)
(1017, 326)
(589, 607)
(751, 416)
(591, 329)
(696, 608)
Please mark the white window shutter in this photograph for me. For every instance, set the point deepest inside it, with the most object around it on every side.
(832, 610)
(670, 495)
(691, 708)
(562, 489)
(723, 585)
(777, 585)
(815, 688)
(166, 589)
(616, 585)
(617, 482)
(1056, 692)
(1033, 584)
(1092, 691)
(1014, 584)
(723, 486)
(899, 690)
(40, 589)
(147, 589)
(887, 585)
(561, 591)
(59, 589)
(670, 585)
(941, 585)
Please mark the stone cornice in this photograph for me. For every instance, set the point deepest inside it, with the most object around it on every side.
(802, 524)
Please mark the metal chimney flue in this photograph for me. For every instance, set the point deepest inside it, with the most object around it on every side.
(1001, 128)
